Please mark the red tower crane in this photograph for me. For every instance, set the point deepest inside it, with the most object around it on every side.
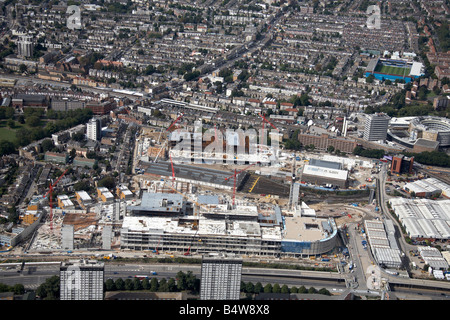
(173, 123)
(50, 191)
(234, 176)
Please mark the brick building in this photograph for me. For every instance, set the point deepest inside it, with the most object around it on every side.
(323, 141)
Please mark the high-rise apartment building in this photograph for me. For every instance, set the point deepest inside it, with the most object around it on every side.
(220, 278)
(81, 280)
(94, 129)
(376, 126)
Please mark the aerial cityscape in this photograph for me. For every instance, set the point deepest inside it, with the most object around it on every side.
(225, 150)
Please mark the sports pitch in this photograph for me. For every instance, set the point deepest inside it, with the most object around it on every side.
(398, 71)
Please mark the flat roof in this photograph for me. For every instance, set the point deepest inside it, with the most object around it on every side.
(305, 229)
(165, 202)
(424, 218)
(416, 69)
(325, 164)
(325, 172)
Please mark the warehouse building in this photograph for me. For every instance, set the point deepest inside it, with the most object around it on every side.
(428, 187)
(384, 247)
(323, 175)
(423, 188)
(423, 218)
(433, 257)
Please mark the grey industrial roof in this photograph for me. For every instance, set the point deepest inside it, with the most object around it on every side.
(372, 65)
(208, 199)
(325, 164)
(167, 202)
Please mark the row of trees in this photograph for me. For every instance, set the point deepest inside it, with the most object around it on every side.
(432, 158)
(250, 288)
(368, 153)
(50, 289)
(183, 282)
(16, 289)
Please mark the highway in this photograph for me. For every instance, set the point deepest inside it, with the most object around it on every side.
(33, 275)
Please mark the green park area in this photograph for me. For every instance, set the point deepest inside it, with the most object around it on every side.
(20, 129)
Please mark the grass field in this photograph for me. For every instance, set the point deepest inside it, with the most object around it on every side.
(7, 134)
(392, 70)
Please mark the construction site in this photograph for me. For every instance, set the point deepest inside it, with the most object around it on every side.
(247, 206)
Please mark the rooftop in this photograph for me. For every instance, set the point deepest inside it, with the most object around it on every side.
(325, 172)
(306, 229)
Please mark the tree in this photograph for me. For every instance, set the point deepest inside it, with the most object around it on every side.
(330, 149)
(171, 285)
(154, 285)
(163, 287)
(258, 287)
(110, 285)
(324, 291)
(47, 145)
(49, 290)
(146, 284)
(312, 290)
(18, 288)
(11, 123)
(284, 289)
(6, 147)
(107, 182)
(302, 289)
(128, 285)
(276, 288)
(249, 287)
(120, 284)
(137, 285)
(33, 121)
(268, 288)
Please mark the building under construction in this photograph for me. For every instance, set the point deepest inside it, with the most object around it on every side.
(214, 225)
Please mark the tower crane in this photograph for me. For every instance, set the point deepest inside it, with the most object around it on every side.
(50, 192)
(234, 176)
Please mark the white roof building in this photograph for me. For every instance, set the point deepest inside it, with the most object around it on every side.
(423, 218)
